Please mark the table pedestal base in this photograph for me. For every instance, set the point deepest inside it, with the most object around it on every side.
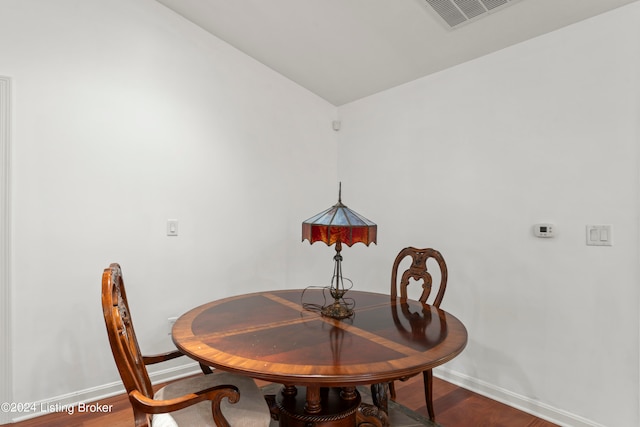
(334, 410)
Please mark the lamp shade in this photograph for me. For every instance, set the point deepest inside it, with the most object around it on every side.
(339, 223)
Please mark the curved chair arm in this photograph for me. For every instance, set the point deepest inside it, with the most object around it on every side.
(214, 394)
(162, 357)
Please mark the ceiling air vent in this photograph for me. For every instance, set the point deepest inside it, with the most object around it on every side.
(457, 12)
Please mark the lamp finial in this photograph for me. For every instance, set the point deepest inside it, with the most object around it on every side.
(340, 192)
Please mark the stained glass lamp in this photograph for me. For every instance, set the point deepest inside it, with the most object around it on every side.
(338, 225)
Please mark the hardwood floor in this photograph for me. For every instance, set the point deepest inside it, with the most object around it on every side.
(455, 407)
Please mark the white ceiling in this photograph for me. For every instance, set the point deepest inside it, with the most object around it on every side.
(344, 50)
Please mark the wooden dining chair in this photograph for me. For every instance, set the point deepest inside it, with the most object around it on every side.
(418, 271)
(218, 399)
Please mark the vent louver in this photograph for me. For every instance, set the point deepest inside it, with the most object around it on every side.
(457, 12)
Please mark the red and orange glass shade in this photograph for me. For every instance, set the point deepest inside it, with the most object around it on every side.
(338, 225)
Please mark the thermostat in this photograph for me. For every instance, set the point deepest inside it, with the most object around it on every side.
(544, 230)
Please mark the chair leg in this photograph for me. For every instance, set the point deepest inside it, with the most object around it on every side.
(427, 377)
(392, 390)
(205, 369)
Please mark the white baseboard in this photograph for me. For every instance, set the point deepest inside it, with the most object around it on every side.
(523, 403)
(65, 402)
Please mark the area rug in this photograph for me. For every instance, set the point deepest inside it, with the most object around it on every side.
(399, 416)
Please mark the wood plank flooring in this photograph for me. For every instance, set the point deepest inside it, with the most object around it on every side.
(455, 407)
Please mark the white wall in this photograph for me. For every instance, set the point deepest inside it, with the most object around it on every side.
(468, 160)
(6, 388)
(126, 115)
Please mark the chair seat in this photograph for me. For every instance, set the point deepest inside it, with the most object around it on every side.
(250, 411)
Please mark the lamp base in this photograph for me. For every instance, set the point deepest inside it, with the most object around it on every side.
(337, 311)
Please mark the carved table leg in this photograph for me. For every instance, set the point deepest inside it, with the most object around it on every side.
(380, 396)
(371, 416)
(348, 393)
(319, 407)
(289, 391)
(313, 405)
(377, 414)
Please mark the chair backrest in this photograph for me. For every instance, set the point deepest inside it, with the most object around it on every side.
(122, 337)
(418, 271)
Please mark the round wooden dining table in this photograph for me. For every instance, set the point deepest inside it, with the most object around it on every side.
(276, 337)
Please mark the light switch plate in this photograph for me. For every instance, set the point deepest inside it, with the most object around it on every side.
(172, 227)
(600, 235)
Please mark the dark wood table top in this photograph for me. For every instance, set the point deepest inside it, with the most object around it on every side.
(270, 336)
